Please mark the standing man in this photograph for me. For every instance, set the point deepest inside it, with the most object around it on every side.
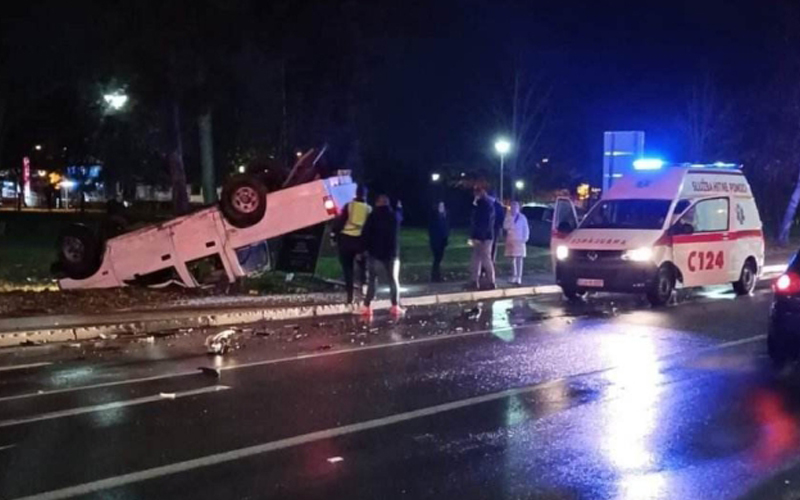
(438, 236)
(481, 238)
(347, 232)
(381, 239)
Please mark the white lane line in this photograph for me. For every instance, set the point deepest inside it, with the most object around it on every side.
(23, 367)
(238, 454)
(300, 357)
(109, 406)
(7, 447)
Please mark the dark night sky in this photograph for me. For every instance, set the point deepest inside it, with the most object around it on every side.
(436, 65)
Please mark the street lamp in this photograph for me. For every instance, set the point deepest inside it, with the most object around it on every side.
(502, 146)
(435, 177)
(116, 100)
(520, 185)
(38, 147)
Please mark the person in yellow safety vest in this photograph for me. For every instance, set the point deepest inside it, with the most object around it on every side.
(347, 232)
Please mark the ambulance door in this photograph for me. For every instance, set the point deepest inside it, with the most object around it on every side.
(564, 216)
(701, 243)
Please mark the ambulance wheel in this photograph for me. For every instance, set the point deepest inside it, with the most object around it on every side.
(747, 279)
(78, 252)
(572, 294)
(661, 291)
(243, 201)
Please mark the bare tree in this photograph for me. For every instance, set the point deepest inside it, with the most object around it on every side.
(705, 120)
(522, 109)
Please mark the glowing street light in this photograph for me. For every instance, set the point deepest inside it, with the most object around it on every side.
(116, 100)
(241, 169)
(435, 177)
(38, 147)
(502, 146)
(520, 185)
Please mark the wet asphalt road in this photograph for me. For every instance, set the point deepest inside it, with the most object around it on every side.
(524, 399)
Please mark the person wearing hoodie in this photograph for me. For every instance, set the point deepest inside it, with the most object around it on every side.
(382, 242)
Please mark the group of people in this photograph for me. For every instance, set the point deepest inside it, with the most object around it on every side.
(489, 221)
(368, 243)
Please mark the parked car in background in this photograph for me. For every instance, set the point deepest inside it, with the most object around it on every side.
(783, 337)
(218, 241)
(540, 221)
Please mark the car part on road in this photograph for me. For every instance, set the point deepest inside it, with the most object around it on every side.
(243, 201)
(79, 253)
(572, 294)
(662, 290)
(220, 343)
(747, 278)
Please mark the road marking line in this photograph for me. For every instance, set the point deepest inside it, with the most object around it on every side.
(23, 367)
(7, 447)
(108, 406)
(238, 454)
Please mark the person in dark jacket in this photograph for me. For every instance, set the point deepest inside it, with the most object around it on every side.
(382, 241)
(438, 236)
(481, 238)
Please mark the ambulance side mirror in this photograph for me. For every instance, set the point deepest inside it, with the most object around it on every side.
(565, 228)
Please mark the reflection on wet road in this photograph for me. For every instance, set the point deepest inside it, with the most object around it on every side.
(531, 398)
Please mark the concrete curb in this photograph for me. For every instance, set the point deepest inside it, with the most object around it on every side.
(240, 316)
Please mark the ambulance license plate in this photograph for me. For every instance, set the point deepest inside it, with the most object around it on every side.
(590, 283)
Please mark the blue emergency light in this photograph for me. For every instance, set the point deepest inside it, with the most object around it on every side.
(648, 164)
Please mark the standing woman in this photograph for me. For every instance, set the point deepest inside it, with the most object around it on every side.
(438, 236)
(517, 234)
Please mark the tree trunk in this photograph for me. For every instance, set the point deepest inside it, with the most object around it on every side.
(791, 210)
(177, 173)
(204, 127)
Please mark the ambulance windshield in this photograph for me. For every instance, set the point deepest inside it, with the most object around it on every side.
(627, 214)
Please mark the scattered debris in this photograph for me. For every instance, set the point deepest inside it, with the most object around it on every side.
(168, 395)
(459, 329)
(211, 372)
(28, 343)
(335, 460)
(325, 347)
(220, 343)
(289, 277)
(75, 345)
(147, 340)
(108, 336)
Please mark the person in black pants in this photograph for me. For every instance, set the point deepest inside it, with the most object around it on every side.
(347, 231)
(438, 235)
(381, 239)
(499, 217)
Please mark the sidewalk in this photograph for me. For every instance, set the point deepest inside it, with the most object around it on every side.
(241, 309)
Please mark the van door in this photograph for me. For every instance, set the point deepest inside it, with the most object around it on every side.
(701, 243)
(563, 214)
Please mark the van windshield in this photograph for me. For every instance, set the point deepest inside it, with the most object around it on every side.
(627, 214)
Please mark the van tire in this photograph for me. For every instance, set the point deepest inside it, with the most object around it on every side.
(572, 294)
(243, 201)
(663, 288)
(747, 279)
(79, 252)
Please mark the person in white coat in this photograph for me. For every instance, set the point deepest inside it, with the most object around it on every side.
(517, 234)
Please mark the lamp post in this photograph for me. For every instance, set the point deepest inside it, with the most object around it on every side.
(116, 100)
(502, 146)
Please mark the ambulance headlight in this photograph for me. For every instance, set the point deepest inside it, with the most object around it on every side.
(562, 252)
(644, 254)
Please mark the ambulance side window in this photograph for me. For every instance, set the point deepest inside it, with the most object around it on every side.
(680, 207)
(708, 216)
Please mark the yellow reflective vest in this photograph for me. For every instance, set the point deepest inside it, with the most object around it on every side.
(357, 213)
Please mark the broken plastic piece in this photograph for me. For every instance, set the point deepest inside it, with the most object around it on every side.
(168, 395)
(335, 460)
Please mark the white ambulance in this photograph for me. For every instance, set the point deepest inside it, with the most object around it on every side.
(661, 227)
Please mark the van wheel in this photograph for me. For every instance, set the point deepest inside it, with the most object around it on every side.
(243, 201)
(661, 291)
(747, 279)
(572, 294)
(78, 252)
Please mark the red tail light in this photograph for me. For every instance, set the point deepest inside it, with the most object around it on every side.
(330, 206)
(787, 284)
